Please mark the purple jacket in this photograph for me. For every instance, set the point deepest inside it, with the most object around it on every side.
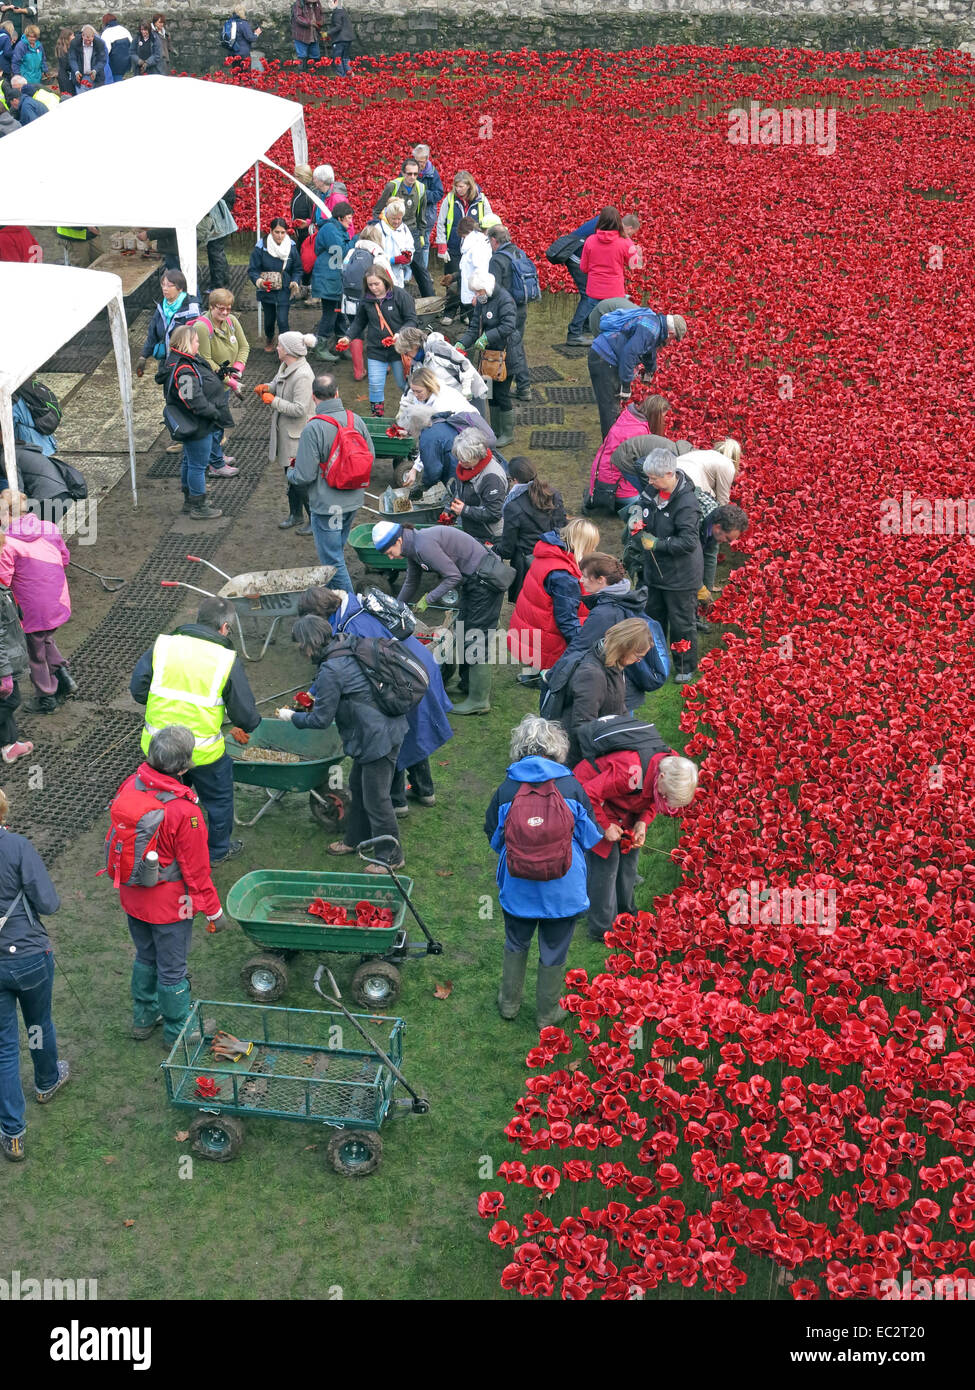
(32, 565)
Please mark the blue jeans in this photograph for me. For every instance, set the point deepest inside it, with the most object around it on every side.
(330, 543)
(554, 936)
(216, 452)
(163, 947)
(341, 52)
(193, 469)
(26, 980)
(307, 50)
(579, 323)
(214, 785)
(377, 377)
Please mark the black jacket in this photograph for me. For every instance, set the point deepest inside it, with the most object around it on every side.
(261, 262)
(237, 696)
(340, 28)
(22, 870)
(344, 696)
(483, 499)
(99, 58)
(148, 51)
(209, 399)
(65, 75)
(396, 307)
(496, 319)
(13, 644)
(596, 689)
(39, 478)
(524, 525)
(677, 560)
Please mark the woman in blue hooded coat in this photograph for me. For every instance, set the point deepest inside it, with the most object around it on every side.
(331, 245)
(428, 726)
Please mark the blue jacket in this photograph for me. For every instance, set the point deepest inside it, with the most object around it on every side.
(331, 245)
(261, 262)
(428, 728)
(245, 38)
(21, 869)
(639, 341)
(561, 897)
(157, 338)
(28, 62)
(25, 433)
(29, 110)
(587, 229)
(436, 442)
(434, 186)
(6, 53)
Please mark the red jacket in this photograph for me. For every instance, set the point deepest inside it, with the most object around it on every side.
(18, 244)
(610, 788)
(605, 257)
(183, 839)
(534, 612)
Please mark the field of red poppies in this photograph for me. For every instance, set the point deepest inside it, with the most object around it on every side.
(768, 1091)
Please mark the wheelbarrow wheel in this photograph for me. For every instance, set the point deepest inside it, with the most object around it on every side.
(328, 806)
(355, 1153)
(216, 1137)
(265, 978)
(376, 984)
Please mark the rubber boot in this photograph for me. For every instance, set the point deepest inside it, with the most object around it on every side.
(323, 353)
(67, 685)
(174, 1003)
(479, 697)
(187, 504)
(358, 354)
(200, 509)
(513, 967)
(548, 990)
(503, 424)
(145, 1001)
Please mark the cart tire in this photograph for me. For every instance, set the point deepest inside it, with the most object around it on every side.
(216, 1137)
(265, 978)
(334, 813)
(376, 985)
(355, 1153)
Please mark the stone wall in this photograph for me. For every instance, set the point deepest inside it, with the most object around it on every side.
(396, 27)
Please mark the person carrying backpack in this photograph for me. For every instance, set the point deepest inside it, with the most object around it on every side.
(630, 776)
(329, 473)
(611, 599)
(620, 349)
(238, 37)
(540, 824)
(371, 737)
(156, 856)
(515, 272)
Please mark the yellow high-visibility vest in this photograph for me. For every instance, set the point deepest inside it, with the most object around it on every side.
(188, 677)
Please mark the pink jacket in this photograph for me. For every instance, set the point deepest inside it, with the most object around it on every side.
(605, 257)
(33, 560)
(626, 424)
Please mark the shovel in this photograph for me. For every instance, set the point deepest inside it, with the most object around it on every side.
(111, 583)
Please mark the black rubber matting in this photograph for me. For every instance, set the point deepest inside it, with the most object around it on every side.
(557, 439)
(539, 415)
(571, 395)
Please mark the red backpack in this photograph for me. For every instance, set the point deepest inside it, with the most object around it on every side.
(308, 257)
(136, 815)
(349, 465)
(538, 833)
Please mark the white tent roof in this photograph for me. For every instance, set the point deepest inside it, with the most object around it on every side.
(150, 152)
(44, 306)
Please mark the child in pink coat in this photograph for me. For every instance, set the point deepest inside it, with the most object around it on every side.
(33, 560)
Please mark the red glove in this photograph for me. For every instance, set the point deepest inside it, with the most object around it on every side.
(403, 258)
(388, 342)
(267, 397)
(304, 701)
(260, 389)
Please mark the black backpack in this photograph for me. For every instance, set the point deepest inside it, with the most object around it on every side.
(43, 405)
(556, 691)
(393, 615)
(620, 733)
(564, 248)
(398, 680)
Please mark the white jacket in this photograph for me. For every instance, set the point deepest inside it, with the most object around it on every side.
(394, 244)
(448, 399)
(710, 470)
(475, 254)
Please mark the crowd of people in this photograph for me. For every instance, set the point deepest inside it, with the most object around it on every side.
(592, 631)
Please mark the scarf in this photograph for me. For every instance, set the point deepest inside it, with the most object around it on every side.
(170, 308)
(466, 472)
(279, 252)
(662, 807)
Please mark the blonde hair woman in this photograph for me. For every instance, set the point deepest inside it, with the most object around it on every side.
(549, 610)
(598, 685)
(398, 243)
(714, 469)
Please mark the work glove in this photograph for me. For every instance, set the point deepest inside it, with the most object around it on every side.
(648, 542)
(260, 389)
(140, 366)
(219, 923)
(461, 350)
(288, 714)
(704, 594)
(443, 253)
(481, 342)
(267, 397)
(421, 605)
(239, 736)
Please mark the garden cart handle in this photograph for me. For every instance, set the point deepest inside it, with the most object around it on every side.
(420, 1106)
(434, 948)
(177, 584)
(199, 560)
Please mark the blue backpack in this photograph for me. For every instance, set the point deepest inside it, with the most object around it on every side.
(228, 34)
(658, 657)
(622, 318)
(525, 288)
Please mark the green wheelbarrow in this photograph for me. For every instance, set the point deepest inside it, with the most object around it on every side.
(317, 1067)
(386, 446)
(308, 754)
(271, 906)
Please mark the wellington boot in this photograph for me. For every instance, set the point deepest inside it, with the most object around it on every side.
(358, 354)
(503, 424)
(200, 509)
(187, 504)
(145, 1001)
(548, 990)
(513, 967)
(174, 1005)
(479, 697)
